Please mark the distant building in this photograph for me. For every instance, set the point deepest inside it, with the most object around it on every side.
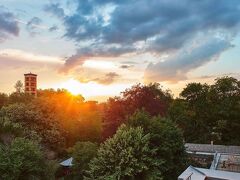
(31, 84)
(224, 162)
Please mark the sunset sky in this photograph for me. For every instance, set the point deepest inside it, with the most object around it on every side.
(100, 47)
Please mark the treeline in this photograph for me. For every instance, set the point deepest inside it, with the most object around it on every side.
(208, 113)
(137, 135)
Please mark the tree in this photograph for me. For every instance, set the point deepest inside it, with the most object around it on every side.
(167, 141)
(19, 87)
(3, 99)
(80, 121)
(126, 155)
(209, 110)
(181, 114)
(152, 98)
(35, 122)
(225, 94)
(20, 98)
(82, 153)
(21, 160)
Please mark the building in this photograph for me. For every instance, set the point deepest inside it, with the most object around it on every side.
(224, 162)
(224, 158)
(31, 84)
(193, 173)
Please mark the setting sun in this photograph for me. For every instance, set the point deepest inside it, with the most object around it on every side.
(92, 89)
(73, 86)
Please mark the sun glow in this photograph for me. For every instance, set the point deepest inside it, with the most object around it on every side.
(92, 89)
(98, 64)
(73, 86)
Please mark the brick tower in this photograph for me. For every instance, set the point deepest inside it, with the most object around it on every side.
(31, 84)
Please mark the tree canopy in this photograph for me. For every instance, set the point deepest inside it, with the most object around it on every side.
(166, 139)
(126, 155)
(141, 132)
(22, 159)
(82, 153)
(209, 110)
(152, 98)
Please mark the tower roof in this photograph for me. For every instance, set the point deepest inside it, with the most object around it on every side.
(31, 74)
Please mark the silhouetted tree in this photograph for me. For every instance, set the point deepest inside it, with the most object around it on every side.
(19, 87)
(152, 98)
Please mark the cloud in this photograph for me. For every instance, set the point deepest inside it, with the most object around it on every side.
(53, 28)
(55, 9)
(106, 79)
(34, 25)
(93, 51)
(125, 66)
(8, 24)
(109, 78)
(175, 68)
(115, 28)
(15, 56)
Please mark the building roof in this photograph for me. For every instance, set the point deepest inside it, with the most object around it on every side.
(203, 174)
(27, 74)
(208, 148)
(67, 162)
(228, 162)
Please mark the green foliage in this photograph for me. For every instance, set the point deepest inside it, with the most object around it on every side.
(212, 111)
(50, 169)
(20, 97)
(22, 159)
(149, 147)
(152, 98)
(126, 155)
(166, 139)
(82, 153)
(225, 94)
(3, 99)
(79, 120)
(33, 124)
(7, 126)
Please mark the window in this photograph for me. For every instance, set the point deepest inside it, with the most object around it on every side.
(27, 78)
(27, 84)
(27, 89)
(33, 89)
(32, 84)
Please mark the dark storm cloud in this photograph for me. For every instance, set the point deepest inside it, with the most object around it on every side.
(8, 24)
(164, 27)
